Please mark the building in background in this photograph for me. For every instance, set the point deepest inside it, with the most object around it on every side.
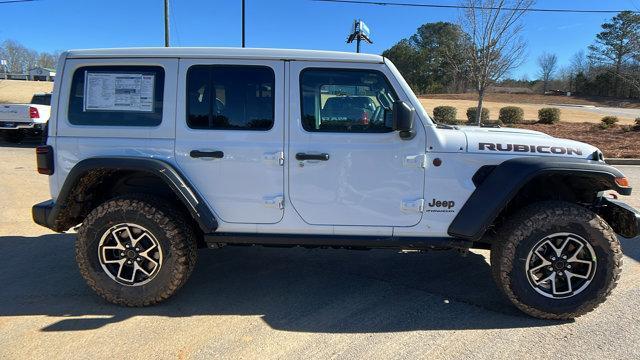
(42, 74)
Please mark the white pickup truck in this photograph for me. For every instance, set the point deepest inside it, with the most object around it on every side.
(18, 120)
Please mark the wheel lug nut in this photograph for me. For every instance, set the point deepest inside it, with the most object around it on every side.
(139, 259)
(129, 262)
(553, 258)
(560, 273)
(121, 254)
(564, 257)
(568, 266)
(550, 268)
(137, 249)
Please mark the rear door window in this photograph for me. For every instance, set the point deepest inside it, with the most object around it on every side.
(230, 97)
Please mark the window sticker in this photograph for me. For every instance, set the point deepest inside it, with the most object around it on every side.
(118, 92)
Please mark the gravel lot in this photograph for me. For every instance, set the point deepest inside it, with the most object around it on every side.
(257, 302)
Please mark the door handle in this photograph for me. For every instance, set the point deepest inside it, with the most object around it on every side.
(206, 154)
(305, 156)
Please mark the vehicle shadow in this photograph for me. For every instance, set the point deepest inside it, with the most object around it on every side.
(302, 290)
(27, 142)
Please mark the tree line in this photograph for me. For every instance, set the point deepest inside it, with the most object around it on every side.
(19, 58)
(440, 58)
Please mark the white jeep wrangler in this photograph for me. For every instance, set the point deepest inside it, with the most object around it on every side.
(156, 152)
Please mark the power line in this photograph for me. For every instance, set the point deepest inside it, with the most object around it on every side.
(380, 3)
(16, 1)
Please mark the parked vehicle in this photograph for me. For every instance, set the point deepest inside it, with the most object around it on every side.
(18, 120)
(154, 153)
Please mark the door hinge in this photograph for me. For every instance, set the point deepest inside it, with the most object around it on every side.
(416, 160)
(277, 157)
(413, 205)
(276, 202)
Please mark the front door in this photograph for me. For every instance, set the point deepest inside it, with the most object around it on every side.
(230, 136)
(346, 164)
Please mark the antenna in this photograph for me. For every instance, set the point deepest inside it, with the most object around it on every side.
(360, 32)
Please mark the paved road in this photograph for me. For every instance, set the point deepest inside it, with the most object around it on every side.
(604, 111)
(285, 303)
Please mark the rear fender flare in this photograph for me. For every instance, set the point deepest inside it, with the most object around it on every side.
(180, 186)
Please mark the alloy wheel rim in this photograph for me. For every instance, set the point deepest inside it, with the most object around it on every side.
(129, 254)
(561, 265)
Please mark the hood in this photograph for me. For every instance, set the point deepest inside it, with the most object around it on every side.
(513, 141)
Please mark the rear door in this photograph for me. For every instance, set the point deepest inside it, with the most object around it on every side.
(230, 136)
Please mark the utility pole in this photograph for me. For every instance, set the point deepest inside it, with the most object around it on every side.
(166, 23)
(243, 23)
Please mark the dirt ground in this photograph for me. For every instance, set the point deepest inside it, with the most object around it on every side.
(19, 91)
(530, 109)
(614, 142)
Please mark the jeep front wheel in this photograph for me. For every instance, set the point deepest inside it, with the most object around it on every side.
(135, 251)
(556, 260)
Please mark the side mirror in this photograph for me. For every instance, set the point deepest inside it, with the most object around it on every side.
(403, 115)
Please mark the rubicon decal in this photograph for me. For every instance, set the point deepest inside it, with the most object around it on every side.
(541, 149)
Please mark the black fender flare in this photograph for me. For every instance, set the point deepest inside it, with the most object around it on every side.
(179, 184)
(503, 182)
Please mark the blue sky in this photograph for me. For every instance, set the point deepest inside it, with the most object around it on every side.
(277, 23)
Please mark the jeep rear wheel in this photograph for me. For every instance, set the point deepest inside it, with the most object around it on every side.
(135, 250)
(556, 260)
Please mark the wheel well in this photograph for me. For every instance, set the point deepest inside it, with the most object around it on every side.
(578, 188)
(99, 185)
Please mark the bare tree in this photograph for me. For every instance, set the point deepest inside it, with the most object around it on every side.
(548, 64)
(580, 63)
(495, 45)
(19, 58)
(47, 60)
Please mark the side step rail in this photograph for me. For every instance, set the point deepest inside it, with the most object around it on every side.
(216, 240)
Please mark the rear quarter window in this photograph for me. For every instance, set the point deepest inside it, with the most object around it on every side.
(117, 96)
(43, 99)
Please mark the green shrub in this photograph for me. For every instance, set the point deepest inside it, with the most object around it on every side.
(549, 115)
(471, 115)
(511, 115)
(609, 121)
(445, 115)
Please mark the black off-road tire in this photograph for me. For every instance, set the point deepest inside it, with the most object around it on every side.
(173, 232)
(519, 235)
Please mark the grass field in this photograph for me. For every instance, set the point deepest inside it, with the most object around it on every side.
(541, 99)
(529, 103)
(19, 91)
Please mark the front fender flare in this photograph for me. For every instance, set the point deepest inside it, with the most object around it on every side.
(506, 179)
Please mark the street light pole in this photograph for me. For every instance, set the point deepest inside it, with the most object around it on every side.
(243, 23)
(166, 23)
